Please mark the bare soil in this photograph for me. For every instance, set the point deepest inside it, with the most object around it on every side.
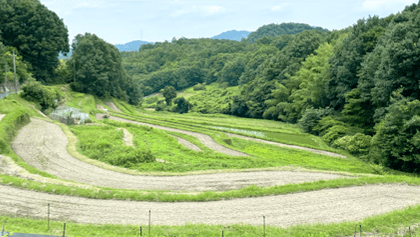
(187, 144)
(322, 206)
(2, 116)
(203, 138)
(112, 106)
(101, 107)
(43, 145)
(128, 137)
(327, 153)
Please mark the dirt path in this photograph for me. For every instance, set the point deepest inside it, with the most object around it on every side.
(43, 145)
(112, 106)
(101, 107)
(203, 138)
(2, 116)
(327, 153)
(187, 144)
(323, 206)
(128, 137)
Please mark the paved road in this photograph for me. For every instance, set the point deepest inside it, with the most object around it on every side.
(4, 95)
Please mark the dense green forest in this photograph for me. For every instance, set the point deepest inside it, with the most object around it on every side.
(357, 88)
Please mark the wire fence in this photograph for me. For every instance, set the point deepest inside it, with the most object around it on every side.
(146, 230)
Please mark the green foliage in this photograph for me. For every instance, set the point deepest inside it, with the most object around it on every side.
(6, 62)
(219, 102)
(331, 129)
(105, 144)
(200, 87)
(358, 145)
(311, 118)
(169, 93)
(9, 126)
(37, 33)
(34, 91)
(397, 140)
(182, 105)
(278, 29)
(99, 71)
(348, 56)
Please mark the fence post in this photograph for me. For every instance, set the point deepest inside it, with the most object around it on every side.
(64, 230)
(223, 233)
(409, 230)
(48, 216)
(264, 224)
(2, 229)
(150, 214)
(355, 229)
(141, 232)
(360, 230)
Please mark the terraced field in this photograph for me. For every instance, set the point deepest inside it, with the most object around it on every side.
(312, 196)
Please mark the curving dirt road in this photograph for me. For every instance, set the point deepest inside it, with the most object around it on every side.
(112, 106)
(322, 206)
(187, 144)
(43, 145)
(327, 153)
(203, 138)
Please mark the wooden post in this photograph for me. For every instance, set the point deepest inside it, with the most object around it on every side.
(64, 230)
(48, 216)
(409, 230)
(360, 230)
(223, 233)
(141, 231)
(264, 224)
(150, 214)
(355, 229)
(2, 229)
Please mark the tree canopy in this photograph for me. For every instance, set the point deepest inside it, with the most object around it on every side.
(36, 32)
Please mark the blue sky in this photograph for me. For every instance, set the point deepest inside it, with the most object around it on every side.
(123, 21)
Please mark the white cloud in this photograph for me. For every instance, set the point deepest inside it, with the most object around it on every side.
(372, 5)
(281, 7)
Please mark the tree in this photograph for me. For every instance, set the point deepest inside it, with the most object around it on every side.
(169, 93)
(36, 32)
(182, 105)
(397, 141)
(99, 71)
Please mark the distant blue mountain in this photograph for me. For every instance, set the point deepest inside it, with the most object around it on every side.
(131, 46)
(233, 35)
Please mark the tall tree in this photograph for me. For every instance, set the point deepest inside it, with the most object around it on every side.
(99, 70)
(169, 93)
(36, 32)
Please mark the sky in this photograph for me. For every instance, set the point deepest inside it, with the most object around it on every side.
(119, 22)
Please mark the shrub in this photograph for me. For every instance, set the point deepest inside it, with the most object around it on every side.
(358, 144)
(36, 92)
(311, 117)
(199, 87)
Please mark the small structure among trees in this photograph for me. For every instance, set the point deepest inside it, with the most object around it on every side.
(69, 115)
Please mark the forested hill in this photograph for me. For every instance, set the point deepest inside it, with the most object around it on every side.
(280, 29)
(232, 35)
(131, 46)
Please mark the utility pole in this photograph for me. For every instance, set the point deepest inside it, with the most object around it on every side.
(74, 70)
(5, 77)
(14, 69)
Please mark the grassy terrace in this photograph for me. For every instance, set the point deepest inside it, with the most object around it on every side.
(184, 161)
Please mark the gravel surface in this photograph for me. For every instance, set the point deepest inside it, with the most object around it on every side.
(323, 206)
(2, 116)
(203, 138)
(327, 153)
(43, 145)
(112, 106)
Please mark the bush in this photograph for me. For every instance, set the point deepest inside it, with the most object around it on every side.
(359, 144)
(132, 158)
(199, 87)
(331, 129)
(311, 117)
(9, 126)
(182, 105)
(34, 91)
